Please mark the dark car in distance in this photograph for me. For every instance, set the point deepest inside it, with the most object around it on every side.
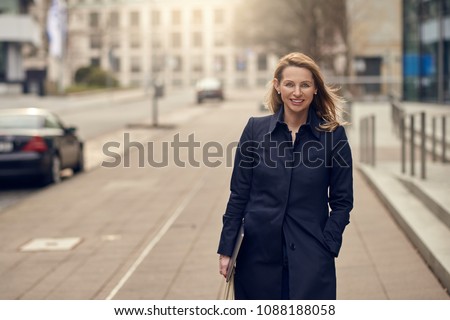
(209, 88)
(34, 143)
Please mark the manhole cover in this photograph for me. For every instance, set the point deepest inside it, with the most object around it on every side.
(50, 244)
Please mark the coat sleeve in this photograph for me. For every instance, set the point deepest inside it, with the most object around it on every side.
(340, 191)
(240, 185)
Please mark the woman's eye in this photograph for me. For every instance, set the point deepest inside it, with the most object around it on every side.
(305, 86)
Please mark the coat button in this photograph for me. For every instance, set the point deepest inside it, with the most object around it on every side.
(292, 246)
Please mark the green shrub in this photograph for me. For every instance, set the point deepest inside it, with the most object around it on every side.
(95, 77)
(82, 74)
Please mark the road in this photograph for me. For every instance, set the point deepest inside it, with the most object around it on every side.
(101, 119)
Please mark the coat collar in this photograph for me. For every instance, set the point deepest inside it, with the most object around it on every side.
(312, 122)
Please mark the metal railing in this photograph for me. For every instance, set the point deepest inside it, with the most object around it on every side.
(367, 140)
(434, 140)
(417, 137)
(412, 142)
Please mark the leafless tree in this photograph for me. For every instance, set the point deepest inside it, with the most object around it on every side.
(318, 28)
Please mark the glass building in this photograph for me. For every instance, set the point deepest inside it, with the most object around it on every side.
(426, 50)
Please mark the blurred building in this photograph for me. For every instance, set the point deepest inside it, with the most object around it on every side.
(176, 42)
(376, 47)
(17, 30)
(426, 49)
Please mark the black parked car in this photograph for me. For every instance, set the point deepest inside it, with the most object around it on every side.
(35, 143)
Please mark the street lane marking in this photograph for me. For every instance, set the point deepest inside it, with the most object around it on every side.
(156, 239)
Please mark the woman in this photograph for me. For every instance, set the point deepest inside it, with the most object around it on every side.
(292, 183)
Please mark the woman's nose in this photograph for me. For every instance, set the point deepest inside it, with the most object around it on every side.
(297, 91)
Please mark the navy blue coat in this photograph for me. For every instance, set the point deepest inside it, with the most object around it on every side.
(302, 192)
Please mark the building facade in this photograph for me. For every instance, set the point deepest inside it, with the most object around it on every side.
(174, 42)
(426, 50)
(17, 29)
(375, 39)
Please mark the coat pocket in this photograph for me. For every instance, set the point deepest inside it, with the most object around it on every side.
(325, 245)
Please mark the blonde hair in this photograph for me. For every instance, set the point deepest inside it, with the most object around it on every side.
(328, 102)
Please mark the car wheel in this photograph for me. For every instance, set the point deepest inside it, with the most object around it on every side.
(79, 167)
(54, 173)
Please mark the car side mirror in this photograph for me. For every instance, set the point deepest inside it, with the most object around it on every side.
(70, 130)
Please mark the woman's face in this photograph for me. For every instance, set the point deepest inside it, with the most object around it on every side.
(297, 88)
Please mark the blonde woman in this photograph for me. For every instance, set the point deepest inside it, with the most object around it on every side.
(292, 183)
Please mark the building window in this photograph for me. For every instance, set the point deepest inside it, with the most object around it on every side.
(219, 39)
(114, 41)
(262, 62)
(446, 7)
(115, 64)
(114, 19)
(219, 63)
(134, 19)
(176, 17)
(241, 63)
(197, 39)
(197, 64)
(219, 16)
(94, 20)
(371, 67)
(176, 40)
(156, 18)
(95, 41)
(135, 41)
(3, 60)
(197, 17)
(95, 62)
(177, 63)
(157, 63)
(135, 64)
(426, 50)
(156, 42)
(430, 10)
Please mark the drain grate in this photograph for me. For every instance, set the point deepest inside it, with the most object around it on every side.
(50, 244)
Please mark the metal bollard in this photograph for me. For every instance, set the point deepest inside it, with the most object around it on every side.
(403, 140)
(433, 138)
(363, 140)
(372, 118)
(412, 144)
(444, 142)
(423, 151)
(367, 156)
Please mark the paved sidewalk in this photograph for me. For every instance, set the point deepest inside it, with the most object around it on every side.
(420, 207)
(152, 233)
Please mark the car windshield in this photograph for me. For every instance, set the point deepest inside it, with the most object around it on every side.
(15, 121)
(209, 84)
